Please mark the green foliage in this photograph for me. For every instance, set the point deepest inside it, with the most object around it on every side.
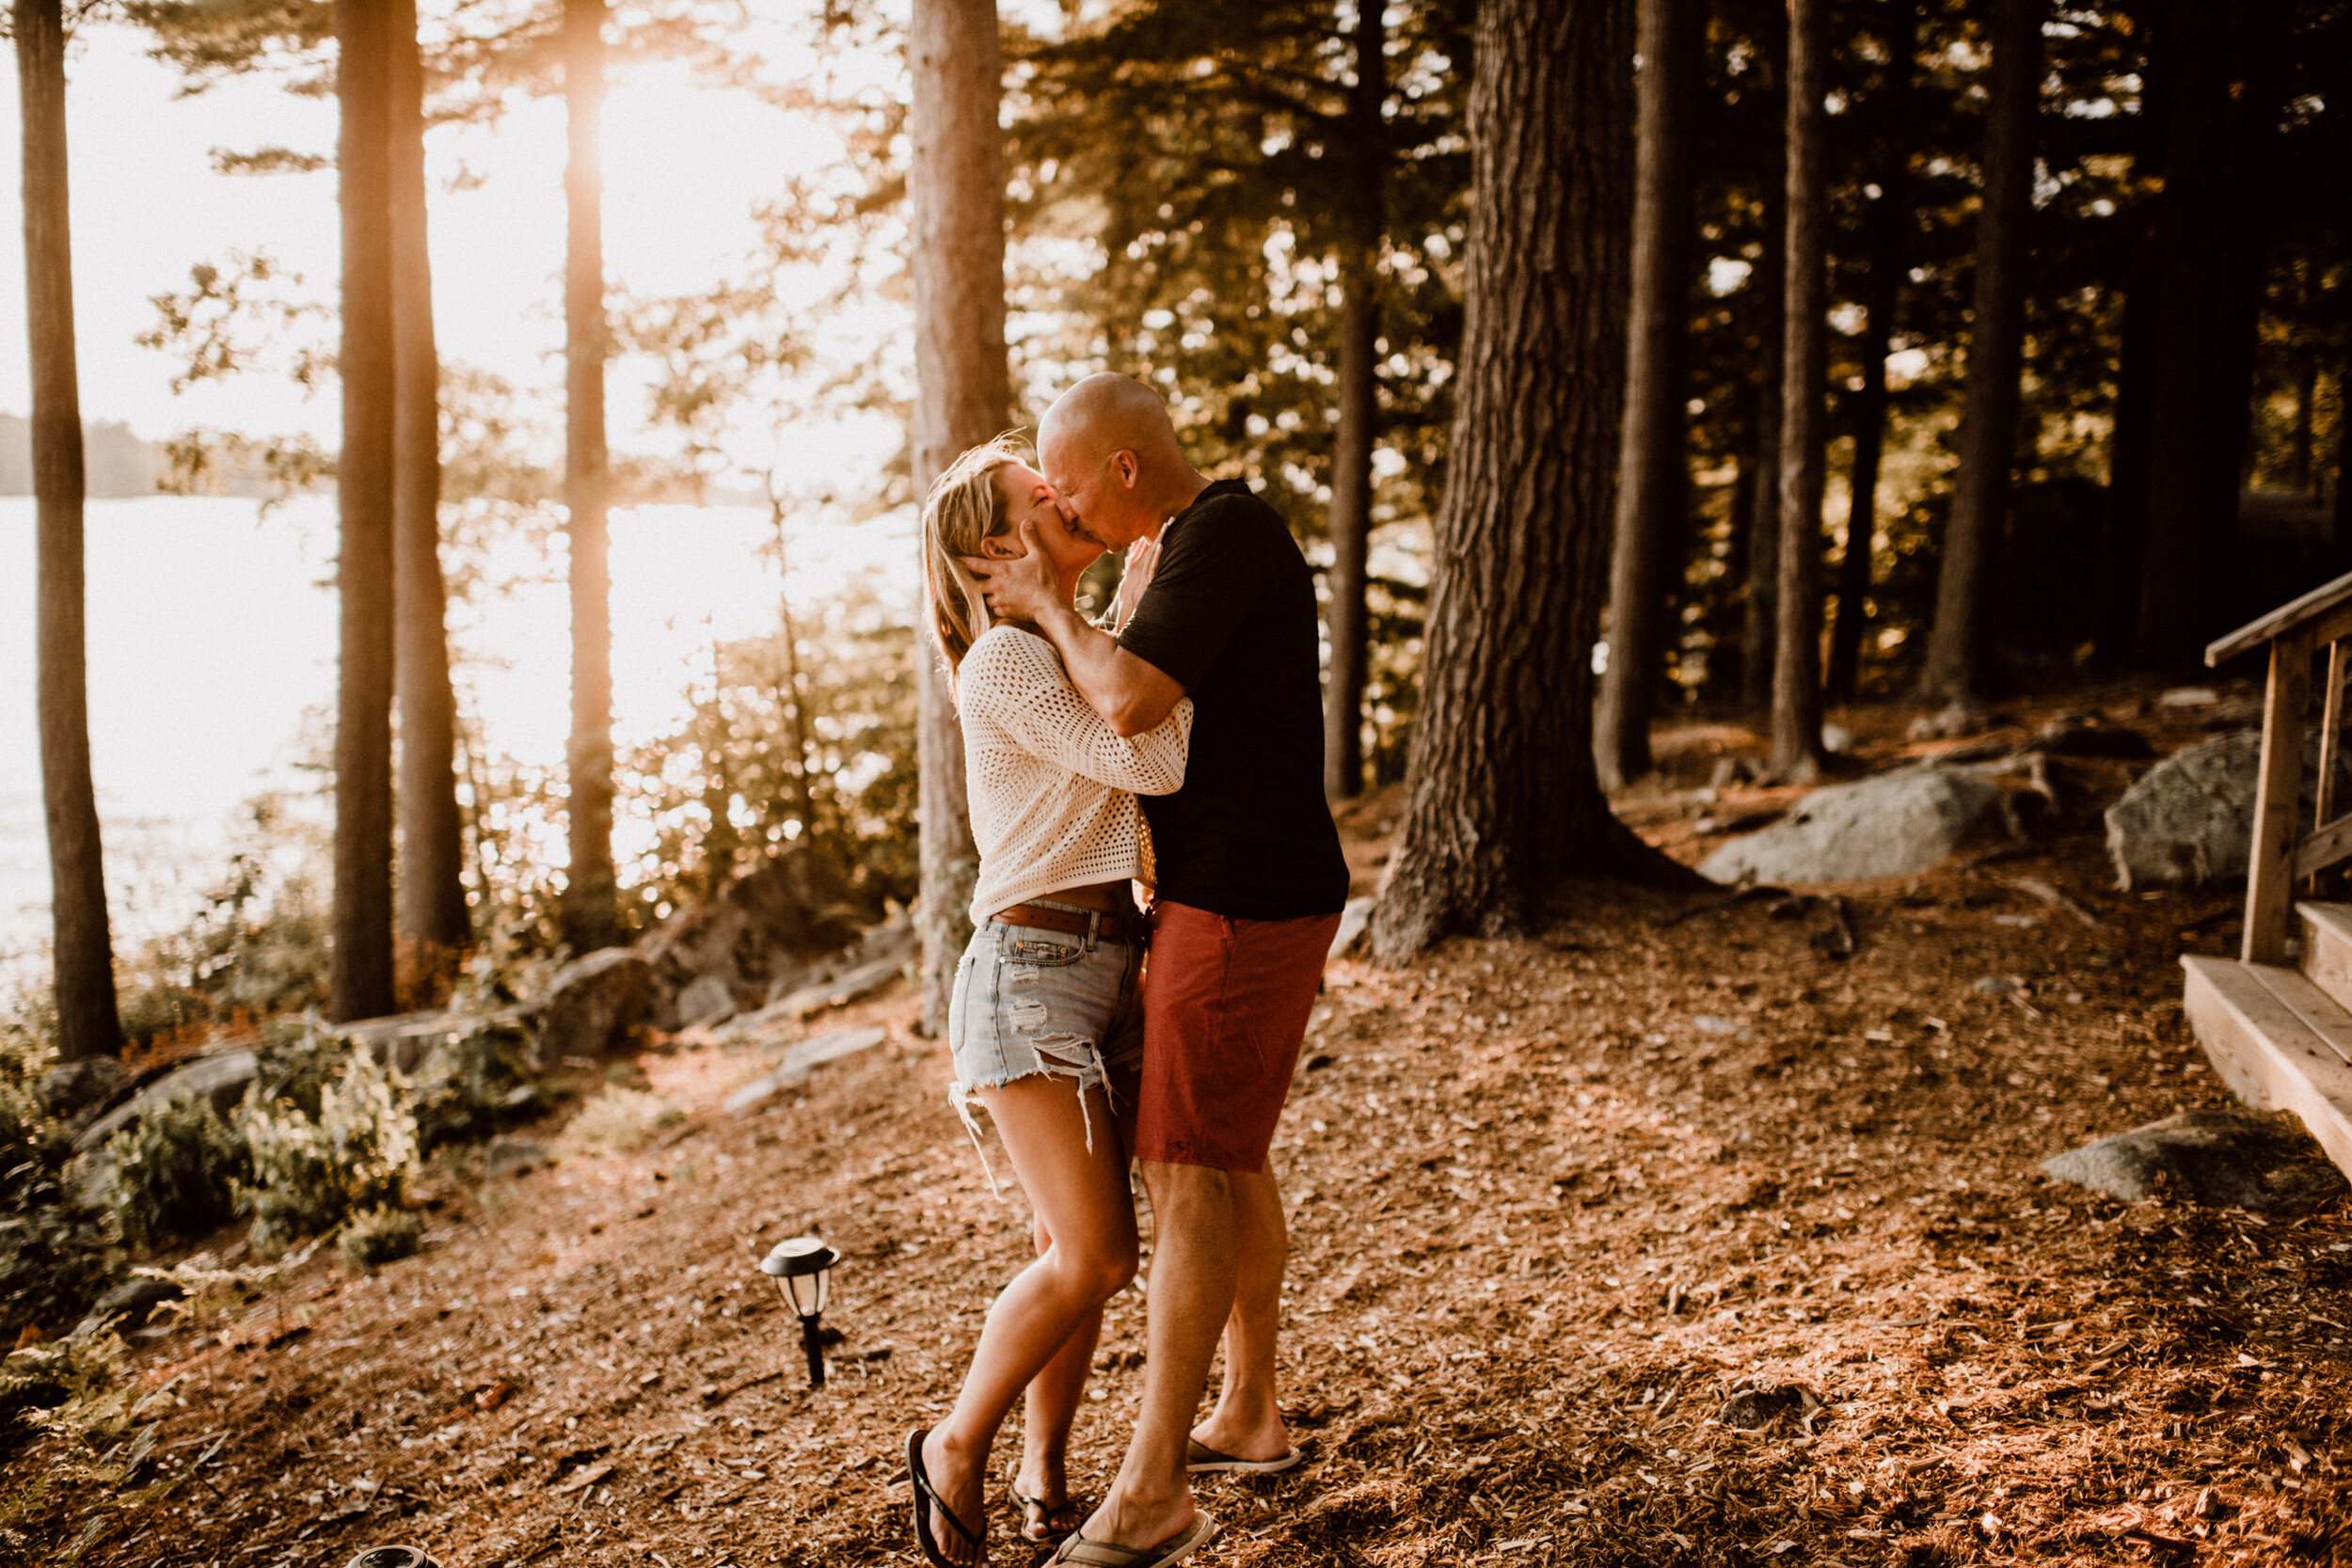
(55, 1257)
(312, 1171)
(258, 946)
(729, 786)
(177, 1174)
(468, 1088)
(374, 1237)
(1208, 156)
(41, 1379)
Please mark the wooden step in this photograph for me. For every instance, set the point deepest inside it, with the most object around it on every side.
(2278, 1042)
(2327, 933)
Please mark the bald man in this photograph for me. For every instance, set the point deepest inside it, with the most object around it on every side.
(1249, 884)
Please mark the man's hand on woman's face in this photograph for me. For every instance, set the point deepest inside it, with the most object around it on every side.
(1023, 587)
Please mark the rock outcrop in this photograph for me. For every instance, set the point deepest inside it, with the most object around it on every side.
(1895, 825)
(761, 935)
(2190, 820)
(2228, 1159)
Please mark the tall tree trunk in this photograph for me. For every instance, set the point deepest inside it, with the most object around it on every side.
(1987, 419)
(591, 900)
(84, 967)
(1762, 610)
(362, 968)
(956, 242)
(2124, 524)
(432, 834)
(1503, 798)
(1360, 408)
(1890, 228)
(1654, 477)
(1796, 716)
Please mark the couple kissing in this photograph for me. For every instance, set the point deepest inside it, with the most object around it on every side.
(1177, 746)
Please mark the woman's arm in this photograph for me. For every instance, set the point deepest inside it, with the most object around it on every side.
(1016, 682)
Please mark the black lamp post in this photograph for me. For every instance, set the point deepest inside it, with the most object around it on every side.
(802, 1270)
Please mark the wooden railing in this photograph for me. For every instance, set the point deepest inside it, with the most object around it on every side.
(2282, 855)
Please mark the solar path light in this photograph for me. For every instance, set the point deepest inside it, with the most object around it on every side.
(802, 1270)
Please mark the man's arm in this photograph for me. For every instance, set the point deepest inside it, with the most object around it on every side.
(1132, 694)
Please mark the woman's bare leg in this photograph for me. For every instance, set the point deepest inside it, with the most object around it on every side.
(1087, 1222)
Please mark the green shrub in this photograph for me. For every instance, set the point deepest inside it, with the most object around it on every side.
(56, 1254)
(310, 1173)
(374, 1237)
(177, 1173)
(467, 1088)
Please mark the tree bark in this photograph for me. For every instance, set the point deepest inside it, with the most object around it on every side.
(1503, 800)
(360, 984)
(1987, 419)
(2124, 526)
(1653, 467)
(956, 243)
(1796, 715)
(1762, 610)
(591, 901)
(2171, 557)
(1360, 409)
(83, 971)
(433, 909)
(1890, 227)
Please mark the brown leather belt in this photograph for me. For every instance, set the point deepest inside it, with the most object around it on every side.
(1103, 927)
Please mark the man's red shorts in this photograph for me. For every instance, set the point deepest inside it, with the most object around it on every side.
(1225, 1005)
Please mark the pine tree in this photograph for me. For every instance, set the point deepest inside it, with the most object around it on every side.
(1796, 715)
(1987, 423)
(956, 243)
(1504, 800)
(591, 900)
(361, 985)
(432, 911)
(83, 960)
(1653, 465)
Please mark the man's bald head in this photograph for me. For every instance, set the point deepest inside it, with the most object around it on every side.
(1109, 449)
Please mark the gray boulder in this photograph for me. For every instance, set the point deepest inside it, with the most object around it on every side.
(511, 1156)
(74, 1090)
(129, 1304)
(707, 999)
(2228, 1159)
(801, 1060)
(2190, 820)
(223, 1075)
(1895, 825)
(591, 1006)
(762, 934)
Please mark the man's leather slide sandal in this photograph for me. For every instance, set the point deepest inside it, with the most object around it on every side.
(1102, 1554)
(1202, 1460)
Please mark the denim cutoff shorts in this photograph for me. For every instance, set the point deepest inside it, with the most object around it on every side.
(1028, 1000)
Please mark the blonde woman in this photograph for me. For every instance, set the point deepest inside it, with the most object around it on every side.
(1046, 1012)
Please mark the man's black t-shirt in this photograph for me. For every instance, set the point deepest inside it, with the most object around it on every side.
(1230, 617)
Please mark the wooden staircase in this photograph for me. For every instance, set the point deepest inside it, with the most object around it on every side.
(2281, 1037)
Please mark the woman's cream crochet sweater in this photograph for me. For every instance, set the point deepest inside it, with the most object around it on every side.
(1052, 786)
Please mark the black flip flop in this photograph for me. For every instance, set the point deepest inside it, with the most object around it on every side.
(926, 1498)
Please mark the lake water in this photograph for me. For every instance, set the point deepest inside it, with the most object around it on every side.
(212, 653)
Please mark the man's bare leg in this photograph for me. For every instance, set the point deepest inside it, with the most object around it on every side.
(1247, 1422)
(1189, 1298)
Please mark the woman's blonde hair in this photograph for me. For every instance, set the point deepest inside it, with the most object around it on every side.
(965, 506)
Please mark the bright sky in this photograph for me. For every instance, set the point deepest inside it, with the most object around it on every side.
(684, 167)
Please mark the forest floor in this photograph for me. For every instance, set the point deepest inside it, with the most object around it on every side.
(1555, 1201)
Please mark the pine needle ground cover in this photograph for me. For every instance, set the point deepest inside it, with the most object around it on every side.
(1560, 1206)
